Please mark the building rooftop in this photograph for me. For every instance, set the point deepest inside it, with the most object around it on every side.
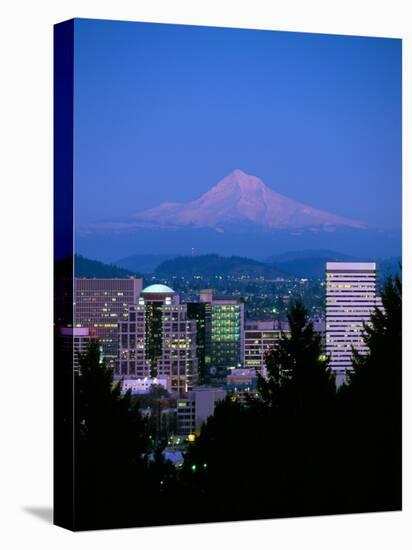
(242, 372)
(158, 289)
(351, 266)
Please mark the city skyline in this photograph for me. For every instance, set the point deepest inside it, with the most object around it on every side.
(215, 336)
(223, 201)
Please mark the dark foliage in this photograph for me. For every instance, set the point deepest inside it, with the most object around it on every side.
(299, 448)
(115, 484)
(273, 456)
(371, 412)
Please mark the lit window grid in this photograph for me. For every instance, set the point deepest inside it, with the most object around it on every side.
(350, 301)
(178, 358)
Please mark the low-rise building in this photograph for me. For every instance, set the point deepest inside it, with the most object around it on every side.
(143, 385)
(242, 382)
(194, 410)
(76, 340)
(185, 416)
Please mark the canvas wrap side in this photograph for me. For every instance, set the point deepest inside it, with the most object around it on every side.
(64, 475)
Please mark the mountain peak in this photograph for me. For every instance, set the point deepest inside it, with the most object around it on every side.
(241, 198)
(242, 182)
(238, 174)
(240, 177)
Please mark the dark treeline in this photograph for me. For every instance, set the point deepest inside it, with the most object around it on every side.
(299, 448)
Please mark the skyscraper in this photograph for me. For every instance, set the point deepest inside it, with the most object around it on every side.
(350, 301)
(219, 334)
(201, 312)
(158, 339)
(227, 318)
(99, 304)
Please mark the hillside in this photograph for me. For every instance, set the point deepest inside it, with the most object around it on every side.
(213, 264)
(84, 267)
(143, 263)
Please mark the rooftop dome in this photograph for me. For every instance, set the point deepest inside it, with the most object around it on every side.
(158, 289)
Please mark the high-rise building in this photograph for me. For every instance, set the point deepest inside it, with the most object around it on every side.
(350, 301)
(226, 336)
(100, 304)
(157, 338)
(260, 337)
(201, 313)
(219, 334)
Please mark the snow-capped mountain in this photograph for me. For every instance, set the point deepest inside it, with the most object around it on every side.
(241, 216)
(240, 198)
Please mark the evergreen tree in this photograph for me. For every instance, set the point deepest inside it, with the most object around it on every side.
(380, 370)
(298, 375)
(299, 395)
(298, 448)
(371, 409)
(218, 467)
(275, 454)
(110, 444)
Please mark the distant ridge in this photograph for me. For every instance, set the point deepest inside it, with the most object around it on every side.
(84, 267)
(143, 263)
(308, 254)
(311, 263)
(212, 264)
(305, 263)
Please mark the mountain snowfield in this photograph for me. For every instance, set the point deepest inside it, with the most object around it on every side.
(237, 199)
(240, 216)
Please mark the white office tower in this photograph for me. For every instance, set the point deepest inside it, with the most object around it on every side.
(350, 301)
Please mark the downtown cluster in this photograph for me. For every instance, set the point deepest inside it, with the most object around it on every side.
(188, 412)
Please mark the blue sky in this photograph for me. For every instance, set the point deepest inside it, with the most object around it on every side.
(162, 112)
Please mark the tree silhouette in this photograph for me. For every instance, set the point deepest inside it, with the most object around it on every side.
(110, 444)
(299, 378)
(299, 448)
(371, 409)
(300, 397)
(275, 453)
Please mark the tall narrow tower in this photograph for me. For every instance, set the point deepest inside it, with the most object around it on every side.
(350, 301)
